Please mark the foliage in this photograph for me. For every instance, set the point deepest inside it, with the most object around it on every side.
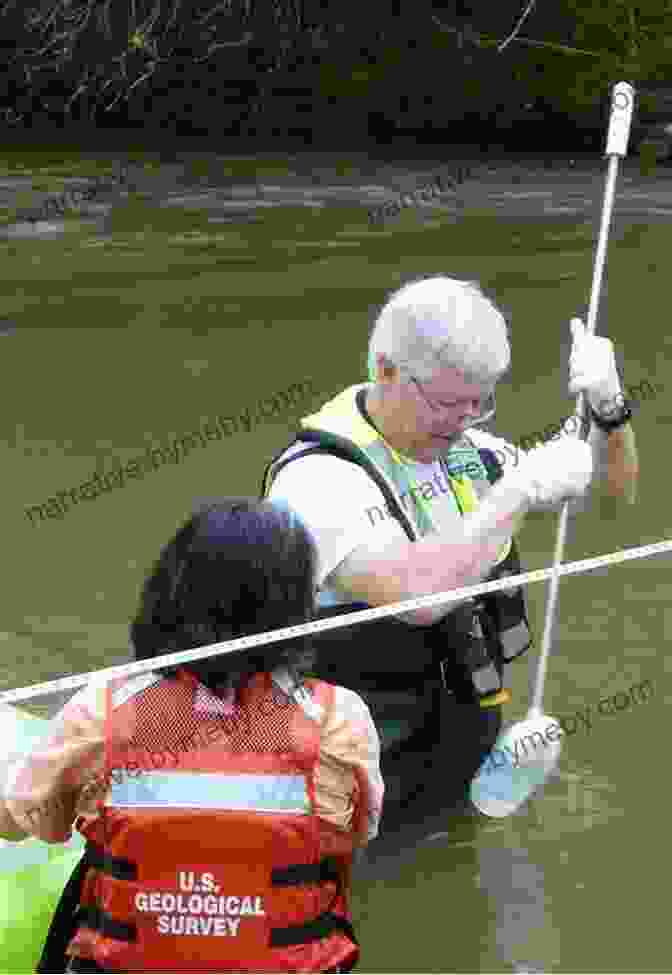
(99, 53)
(632, 42)
(248, 63)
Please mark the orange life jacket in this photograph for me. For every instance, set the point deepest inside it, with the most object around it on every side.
(209, 857)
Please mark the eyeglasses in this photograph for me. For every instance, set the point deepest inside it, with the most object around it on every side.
(488, 404)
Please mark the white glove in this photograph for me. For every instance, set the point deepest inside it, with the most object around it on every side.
(556, 471)
(592, 369)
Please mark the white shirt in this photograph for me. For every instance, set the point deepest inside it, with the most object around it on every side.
(343, 507)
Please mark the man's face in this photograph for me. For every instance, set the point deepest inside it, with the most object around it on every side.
(435, 414)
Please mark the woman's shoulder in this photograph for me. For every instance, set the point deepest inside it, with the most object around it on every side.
(350, 700)
(343, 695)
(348, 708)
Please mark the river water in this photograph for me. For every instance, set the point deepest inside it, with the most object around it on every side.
(202, 288)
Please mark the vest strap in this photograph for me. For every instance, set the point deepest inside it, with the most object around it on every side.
(62, 927)
(306, 873)
(338, 447)
(96, 857)
(321, 927)
(326, 871)
(91, 916)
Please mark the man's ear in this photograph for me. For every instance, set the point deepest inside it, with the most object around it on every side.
(386, 368)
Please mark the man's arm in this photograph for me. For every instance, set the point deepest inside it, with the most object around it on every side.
(616, 462)
(368, 559)
(615, 468)
(593, 372)
(397, 570)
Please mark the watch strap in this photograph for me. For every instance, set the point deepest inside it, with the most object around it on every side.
(622, 417)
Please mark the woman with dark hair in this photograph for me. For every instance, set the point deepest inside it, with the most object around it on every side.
(228, 794)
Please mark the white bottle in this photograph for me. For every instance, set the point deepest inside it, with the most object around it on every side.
(520, 761)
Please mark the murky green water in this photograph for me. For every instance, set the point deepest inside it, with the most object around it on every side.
(188, 302)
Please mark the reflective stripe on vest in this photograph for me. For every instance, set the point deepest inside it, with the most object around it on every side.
(135, 685)
(210, 790)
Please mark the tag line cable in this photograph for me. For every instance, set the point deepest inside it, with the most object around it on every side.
(333, 623)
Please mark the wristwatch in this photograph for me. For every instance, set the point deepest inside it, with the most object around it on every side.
(607, 425)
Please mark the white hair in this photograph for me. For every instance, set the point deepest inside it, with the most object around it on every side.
(441, 322)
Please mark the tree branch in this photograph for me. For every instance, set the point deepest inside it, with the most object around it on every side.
(521, 20)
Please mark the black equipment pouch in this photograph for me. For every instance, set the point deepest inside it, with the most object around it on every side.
(468, 662)
(506, 611)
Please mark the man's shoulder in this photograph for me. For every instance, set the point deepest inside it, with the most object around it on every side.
(312, 453)
(321, 468)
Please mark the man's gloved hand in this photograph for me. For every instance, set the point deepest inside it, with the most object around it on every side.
(592, 369)
(556, 471)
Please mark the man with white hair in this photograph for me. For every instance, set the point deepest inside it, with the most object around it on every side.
(406, 497)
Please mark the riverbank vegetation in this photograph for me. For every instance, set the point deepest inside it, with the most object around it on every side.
(279, 68)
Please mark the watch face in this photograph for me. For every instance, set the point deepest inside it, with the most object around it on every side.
(609, 415)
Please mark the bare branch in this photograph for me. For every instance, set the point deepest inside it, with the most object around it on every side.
(80, 88)
(521, 19)
(116, 100)
(151, 20)
(247, 37)
(137, 81)
(226, 4)
(105, 18)
(62, 29)
(53, 15)
(487, 39)
(171, 23)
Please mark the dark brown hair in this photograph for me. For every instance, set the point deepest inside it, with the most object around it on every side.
(237, 567)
